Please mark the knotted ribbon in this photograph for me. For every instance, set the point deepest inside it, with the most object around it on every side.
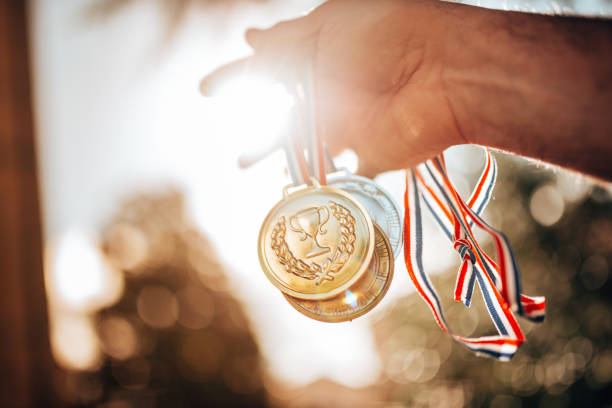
(499, 282)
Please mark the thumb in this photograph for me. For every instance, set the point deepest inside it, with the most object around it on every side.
(284, 34)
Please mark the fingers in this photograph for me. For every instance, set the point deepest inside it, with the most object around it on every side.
(210, 84)
(278, 51)
(248, 159)
(284, 34)
(280, 68)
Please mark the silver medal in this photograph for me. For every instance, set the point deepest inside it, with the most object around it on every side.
(383, 209)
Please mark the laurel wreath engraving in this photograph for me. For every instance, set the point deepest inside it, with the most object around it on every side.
(331, 266)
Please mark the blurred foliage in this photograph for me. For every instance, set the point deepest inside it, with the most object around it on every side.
(566, 360)
(177, 337)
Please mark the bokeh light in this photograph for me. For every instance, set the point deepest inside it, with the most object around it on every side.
(157, 306)
(75, 343)
(118, 337)
(78, 274)
(546, 205)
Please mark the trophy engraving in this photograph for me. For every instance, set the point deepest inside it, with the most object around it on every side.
(310, 222)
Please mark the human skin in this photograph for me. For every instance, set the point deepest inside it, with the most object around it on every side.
(399, 81)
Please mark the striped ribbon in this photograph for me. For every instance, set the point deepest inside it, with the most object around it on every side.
(499, 282)
(295, 151)
(314, 144)
(304, 148)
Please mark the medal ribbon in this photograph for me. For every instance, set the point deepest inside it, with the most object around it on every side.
(295, 156)
(307, 133)
(499, 283)
(532, 308)
(316, 158)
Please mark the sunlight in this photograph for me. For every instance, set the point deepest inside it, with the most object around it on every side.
(350, 299)
(254, 110)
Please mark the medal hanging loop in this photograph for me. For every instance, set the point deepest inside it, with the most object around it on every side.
(291, 188)
(339, 170)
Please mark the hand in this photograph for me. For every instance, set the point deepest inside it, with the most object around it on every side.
(378, 73)
(399, 81)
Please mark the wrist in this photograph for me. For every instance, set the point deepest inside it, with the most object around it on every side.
(518, 80)
(473, 77)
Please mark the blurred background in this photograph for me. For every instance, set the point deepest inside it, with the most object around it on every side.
(153, 295)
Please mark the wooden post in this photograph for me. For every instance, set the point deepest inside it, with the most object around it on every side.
(26, 364)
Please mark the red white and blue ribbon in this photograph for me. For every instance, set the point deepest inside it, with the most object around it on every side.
(296, 163)
(306, 135)
(532, 308)
(499, 283)
(446, 220)
(314, 144)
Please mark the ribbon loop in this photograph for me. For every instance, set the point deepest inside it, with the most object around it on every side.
(499, 283)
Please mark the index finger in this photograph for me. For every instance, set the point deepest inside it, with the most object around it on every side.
(278, 67)
(210, 84)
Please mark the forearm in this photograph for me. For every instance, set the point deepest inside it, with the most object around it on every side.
(539, 86)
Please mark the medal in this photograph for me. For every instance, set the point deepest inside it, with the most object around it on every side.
(316, 242)
(319, 245)
(382, 208)
(362, 296)
(329, 246)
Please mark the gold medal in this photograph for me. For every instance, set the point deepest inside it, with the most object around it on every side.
(362, 296)
(316, 242)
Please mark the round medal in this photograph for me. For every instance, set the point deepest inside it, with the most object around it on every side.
(362, 296)
(378, 203)
(316, 242)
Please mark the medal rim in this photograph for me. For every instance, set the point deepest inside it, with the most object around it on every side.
(356, 276)
(351, 317)
(345, 174)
